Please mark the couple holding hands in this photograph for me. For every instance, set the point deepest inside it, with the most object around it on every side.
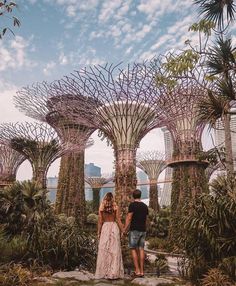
(110, 229)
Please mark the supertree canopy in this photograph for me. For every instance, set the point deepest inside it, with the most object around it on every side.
(44, 102)
(38, 143)
(96, 184)
(10, 160)
(152, 163)
(123, 111)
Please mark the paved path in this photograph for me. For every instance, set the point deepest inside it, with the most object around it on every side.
(171, 258)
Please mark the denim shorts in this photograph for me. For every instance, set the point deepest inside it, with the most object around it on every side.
(137, 239)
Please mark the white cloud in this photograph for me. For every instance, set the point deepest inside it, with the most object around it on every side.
(13, 54)
(108, 9)
(63, 59)
(73, 7)
(9, 113)
(49, 67)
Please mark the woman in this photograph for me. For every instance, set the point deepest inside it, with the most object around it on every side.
(109, 260)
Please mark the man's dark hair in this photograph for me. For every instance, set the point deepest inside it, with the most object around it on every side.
(137, 194)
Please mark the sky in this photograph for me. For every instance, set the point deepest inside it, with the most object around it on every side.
(57, 37)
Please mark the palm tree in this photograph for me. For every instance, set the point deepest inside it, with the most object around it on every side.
(221, 67)
(21, 204)
(214, 10)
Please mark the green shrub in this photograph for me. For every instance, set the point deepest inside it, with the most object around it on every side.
(208, 234)
(158, 225)
(92, 218)
(160, 244)
(61, 244)
(15, 274)
(215, 277)
(13, 249)
(20, 206)
(161, 264)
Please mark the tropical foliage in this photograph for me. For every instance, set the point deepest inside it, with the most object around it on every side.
(209, 231)
(158, 223)
(31, 231)
(21, 205)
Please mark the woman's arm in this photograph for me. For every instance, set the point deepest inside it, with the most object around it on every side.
(100, 222)
(120, 224)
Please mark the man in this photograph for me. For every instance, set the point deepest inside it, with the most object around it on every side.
(136, 223)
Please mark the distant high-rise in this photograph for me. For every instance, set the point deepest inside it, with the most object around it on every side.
(52, 188)
(90, 170)
(165, 194)
(142, 177)
(220, 136)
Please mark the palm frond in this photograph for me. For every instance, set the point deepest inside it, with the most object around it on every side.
(211, 108)
(214, 10)
(221, 58)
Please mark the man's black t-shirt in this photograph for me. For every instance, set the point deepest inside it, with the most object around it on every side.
(140, 212)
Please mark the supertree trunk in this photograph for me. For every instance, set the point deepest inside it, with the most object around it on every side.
(153, 196)
(96, 199)
(125, 178)
(76, 197)
(40, 176)
(63, 183)
(188, 183)
(70, 198)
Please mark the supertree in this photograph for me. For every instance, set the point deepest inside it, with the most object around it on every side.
(10, 160)
(45, 103)
(179, 95)
(38, 143)
(123, 107)
(96, 184)
(152, 163)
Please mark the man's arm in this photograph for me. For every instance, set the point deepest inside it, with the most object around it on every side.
(127, 222)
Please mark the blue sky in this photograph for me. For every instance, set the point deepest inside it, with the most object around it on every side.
(59, 36)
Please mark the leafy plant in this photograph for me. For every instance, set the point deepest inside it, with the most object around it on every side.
(161, 264)
(15, 274)
(61, 244)
(12, 249)
(208, 233)
(215, 277)
(21, 205)
(158, 223)
(160, 244)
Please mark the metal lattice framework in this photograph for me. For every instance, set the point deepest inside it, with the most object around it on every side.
(96, 184)
(152, 163)
(40, 101)
(10, 160)
(45, 102)
(122, 101)
(38, 142)
(178, 106)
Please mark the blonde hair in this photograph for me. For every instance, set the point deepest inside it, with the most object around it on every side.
(108, 205)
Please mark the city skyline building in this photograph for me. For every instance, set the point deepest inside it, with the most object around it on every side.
(220, 136)
(91, 170)
(165, 196)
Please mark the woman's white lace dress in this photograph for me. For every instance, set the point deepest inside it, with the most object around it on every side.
(109, 259)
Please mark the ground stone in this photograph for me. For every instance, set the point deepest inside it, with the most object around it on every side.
(44, 280)
(77, 275)
(151, 281)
